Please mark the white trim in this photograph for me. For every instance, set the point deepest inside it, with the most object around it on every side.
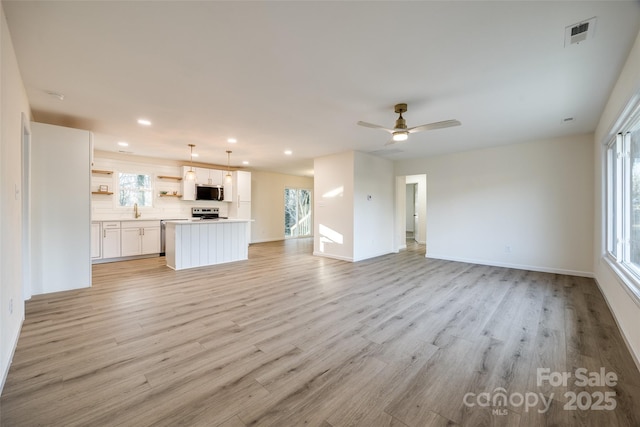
(14, 345)
(625, 279)
(341, 258)
(615, 318)
(516, 266)
(627, 114)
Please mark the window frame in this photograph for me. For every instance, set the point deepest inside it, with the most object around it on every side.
(119, 188)
(618, 209)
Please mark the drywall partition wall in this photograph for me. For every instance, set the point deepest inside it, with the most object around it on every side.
(13, 105)
(524, 205)
(334, 206)
(267, 203)
(373, 206)
(625, 307)
(61, 208)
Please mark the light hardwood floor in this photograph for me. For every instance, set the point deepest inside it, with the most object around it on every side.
(288, 339)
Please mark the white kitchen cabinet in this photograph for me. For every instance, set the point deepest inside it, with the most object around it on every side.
(202, 175)
(110, 239)
(96, 240)
(151, 240)
(206, 176)
(188, 187)
(243, 186)
(140, 238)
(240, 206)
(228, 191)
(216, 177)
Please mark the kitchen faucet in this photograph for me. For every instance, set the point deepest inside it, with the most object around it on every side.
(135, 211)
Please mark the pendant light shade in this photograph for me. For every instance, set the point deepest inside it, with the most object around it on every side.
(190, 175)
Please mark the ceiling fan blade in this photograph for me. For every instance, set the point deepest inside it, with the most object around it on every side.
(436, 125)
(371, 125)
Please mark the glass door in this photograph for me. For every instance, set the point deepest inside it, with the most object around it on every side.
(297, 212)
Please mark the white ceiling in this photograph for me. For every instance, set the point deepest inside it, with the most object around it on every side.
(299, 75)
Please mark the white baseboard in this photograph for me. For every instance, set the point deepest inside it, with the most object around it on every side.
(634, 356)
(5, 369)
(341, 258)
(516, 266)
(273, 239)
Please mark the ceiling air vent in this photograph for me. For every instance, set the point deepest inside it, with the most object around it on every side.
(576, 33)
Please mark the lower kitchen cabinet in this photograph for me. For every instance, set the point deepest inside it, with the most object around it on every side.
(140, 238)
(110, 242)
(96, 240)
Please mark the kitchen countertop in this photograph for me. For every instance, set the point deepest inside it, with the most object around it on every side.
(206, 221)
(136, 219)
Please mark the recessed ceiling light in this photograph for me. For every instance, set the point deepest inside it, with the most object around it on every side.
(144, 122)
(288, 152)
(244, 162)
(123, 144)
(232, 140)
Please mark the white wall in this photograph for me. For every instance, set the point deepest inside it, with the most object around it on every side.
(334, 205)
(14, 104)
(60, 208)
(373, 206)
(525, 205)
(626, 309)
(354, 206)
(267, 203)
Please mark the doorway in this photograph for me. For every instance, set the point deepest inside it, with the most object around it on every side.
(297, 212)
(411, 211)
(411, 222)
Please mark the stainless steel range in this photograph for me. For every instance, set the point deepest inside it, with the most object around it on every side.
(205, 213)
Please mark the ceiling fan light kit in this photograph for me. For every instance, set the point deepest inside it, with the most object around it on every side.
(400, 136)
(401, 133)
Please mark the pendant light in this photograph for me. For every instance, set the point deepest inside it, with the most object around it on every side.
(190, 175)
(227, 178)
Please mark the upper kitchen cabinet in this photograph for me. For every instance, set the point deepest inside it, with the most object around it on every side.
(60, 183)
(242, 189)
(206, 176)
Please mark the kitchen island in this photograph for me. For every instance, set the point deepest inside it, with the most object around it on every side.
(197, 243)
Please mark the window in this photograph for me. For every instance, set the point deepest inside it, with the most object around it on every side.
(623, 200)
(135, 188)
(297, 212)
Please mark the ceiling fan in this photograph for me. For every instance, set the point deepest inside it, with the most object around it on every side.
(400, 132)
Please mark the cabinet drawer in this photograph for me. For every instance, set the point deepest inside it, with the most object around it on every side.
(111, 224)
(140, 224)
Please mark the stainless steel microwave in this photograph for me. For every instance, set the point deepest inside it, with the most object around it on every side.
(209, 192)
